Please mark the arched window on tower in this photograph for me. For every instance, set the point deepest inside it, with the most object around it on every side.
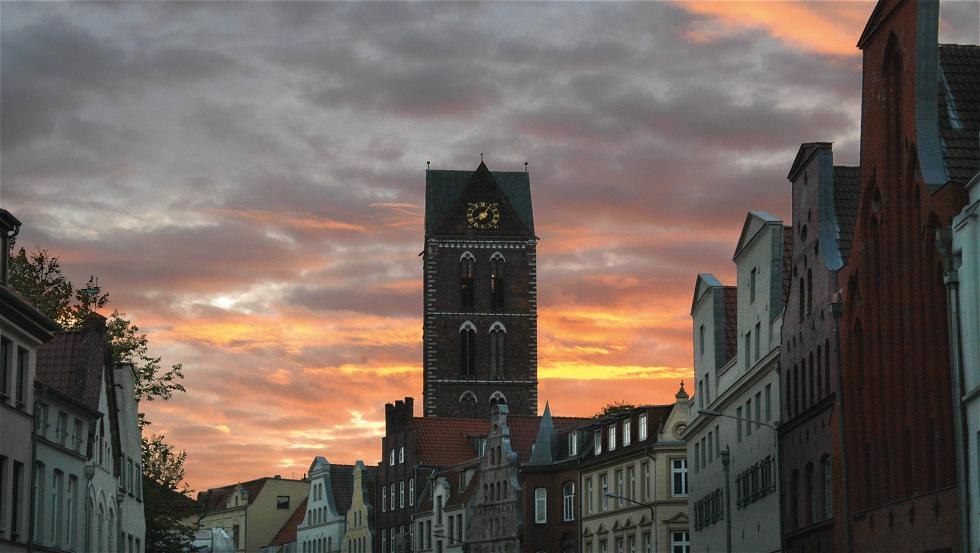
(497, 398)
(467, 404)
(467, 267)
(498, 283)
(802, 297)
(498, 335)
(809, 290)
(467, 349)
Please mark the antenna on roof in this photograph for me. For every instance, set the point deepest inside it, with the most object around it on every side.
(525, 167)
(427, 165)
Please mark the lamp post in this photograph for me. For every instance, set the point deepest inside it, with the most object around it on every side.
(775, 430)
(653, 513)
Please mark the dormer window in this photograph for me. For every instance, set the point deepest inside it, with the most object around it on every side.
(598, 440)
(643, 427)
(572, 444)
(626, 432)
(611, 434)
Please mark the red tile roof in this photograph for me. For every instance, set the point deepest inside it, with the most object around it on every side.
(72, 363)
(287, 534)
(444, 441)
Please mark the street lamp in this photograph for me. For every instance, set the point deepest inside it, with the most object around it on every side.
(779, 478)
(653, 513)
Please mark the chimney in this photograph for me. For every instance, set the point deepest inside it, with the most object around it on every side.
(278, 477)
(9, 227)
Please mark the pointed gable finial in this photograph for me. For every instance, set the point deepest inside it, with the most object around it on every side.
(481, 157)
(427, 163)
(525, 167)
(681, 394)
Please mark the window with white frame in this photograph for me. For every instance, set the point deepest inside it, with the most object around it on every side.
(568, 495)
(627, 426)
(401, 454)
(647, 492)
(598, 440)
(589, 499)
(540, 506)
(384, 498)
(680, 542)
(643, 427)
(604, 490)
(611, 434)
(411, 492)
(401, 494)
(619, 486)
(572, 444)
(678, 474)
(391, 458)
(391, 496)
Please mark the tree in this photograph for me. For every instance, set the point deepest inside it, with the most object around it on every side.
(38, 277)
(614, 408)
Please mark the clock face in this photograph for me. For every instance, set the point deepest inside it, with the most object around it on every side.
(482, 215)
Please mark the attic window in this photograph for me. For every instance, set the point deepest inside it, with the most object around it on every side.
(282, 502)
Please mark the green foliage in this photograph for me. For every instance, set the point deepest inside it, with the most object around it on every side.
(38, 277)
(614, 408)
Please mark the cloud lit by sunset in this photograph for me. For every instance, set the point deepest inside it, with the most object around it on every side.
(247, 180)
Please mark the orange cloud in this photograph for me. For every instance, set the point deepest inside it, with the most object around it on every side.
(819, 27)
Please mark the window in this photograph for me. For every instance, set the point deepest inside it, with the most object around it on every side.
(467, 267)
(498, 286)
(647, 543)
(700, 394)
(540, 505)
(811, 499)
(738, 424)
(626, 432)
(384, 540)
(611, 436)
(710, 450)
(235, 532)
(572, 444)
(707, 389)
(604, 490)
(401, 454)
(758, 408)
(38, 515)
(809, 290)
(41, 420)
(15, 495)
(401, 494)
(717, 441)
(678, 475)
(21, 374)
(768, 402)
(631, 482)
(598, 440)
(701, 338)
(643, 427)
(498, 336)
(680, 542)
(828, 487)
(467, 349)
(3, 476)
(6, 347)
(794, 500)
(748, 414)
(697, 457)
(61, 431)
(282, 502)
(384, 496)
(391, 458)
(647, 492)
(752, 275)
(758, 334)
(72, 506)
(619, 486)
(619, 545)
(802, 299)
(57, 506)
(631, 543)
(568, 495)
(589, 499)
(411, 492)
(438, 510)
(747, 349)
(391, 496)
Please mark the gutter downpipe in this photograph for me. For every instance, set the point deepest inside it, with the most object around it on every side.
(944, 241)
(34, 491)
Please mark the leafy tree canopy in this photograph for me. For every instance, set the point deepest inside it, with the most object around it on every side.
(614, 408)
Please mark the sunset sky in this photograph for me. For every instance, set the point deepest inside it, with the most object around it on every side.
(247, 181)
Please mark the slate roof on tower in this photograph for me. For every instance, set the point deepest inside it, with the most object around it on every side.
(443, 188)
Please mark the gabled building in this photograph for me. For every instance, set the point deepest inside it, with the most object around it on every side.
(23, 329)
(285, 539)
(360, 536)
(811, 429)
(330, 492)
(251, 512)
(441, 517)
(88, 446)
(634, 480)
(919, 148)
(731, 437)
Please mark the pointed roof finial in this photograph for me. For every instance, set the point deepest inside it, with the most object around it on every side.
(681, 394)
(427, 165)
(481, 157)
(525, 167)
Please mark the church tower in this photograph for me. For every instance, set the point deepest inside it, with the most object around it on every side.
(480, 336)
